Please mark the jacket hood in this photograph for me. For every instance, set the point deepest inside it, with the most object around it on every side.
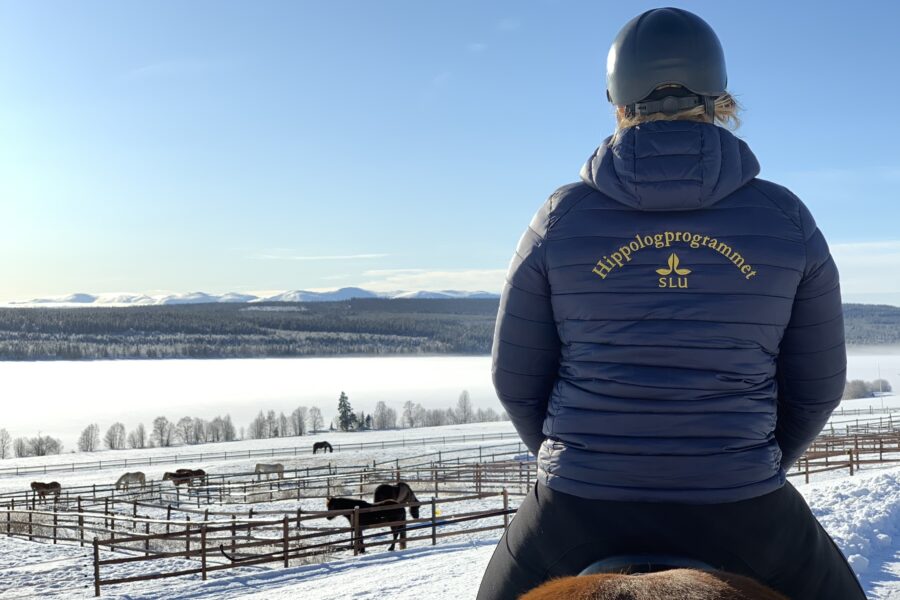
(670, 165)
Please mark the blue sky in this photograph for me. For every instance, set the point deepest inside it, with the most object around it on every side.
(226, 146)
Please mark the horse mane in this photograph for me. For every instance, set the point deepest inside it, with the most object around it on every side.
(663, 585)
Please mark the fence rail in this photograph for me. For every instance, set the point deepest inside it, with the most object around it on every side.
(257, 453)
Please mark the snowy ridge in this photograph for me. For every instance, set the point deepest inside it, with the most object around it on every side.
(142, 299)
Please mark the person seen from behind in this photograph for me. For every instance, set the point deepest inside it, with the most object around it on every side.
(669, 342)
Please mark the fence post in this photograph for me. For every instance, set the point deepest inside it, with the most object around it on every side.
(147, 539)
(203, 551)
(285, 534)
(30, 532)
(96, 568)
(505, 509)
(187, 537)
(806, 460)
(168, 517)
(233, 533)
(55, 516)
(433, 523)
(434, 476)
(850, 452)
(356, 531)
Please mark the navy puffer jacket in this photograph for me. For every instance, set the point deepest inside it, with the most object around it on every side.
(671, 327)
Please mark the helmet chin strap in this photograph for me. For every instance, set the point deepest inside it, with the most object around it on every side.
(671, 105)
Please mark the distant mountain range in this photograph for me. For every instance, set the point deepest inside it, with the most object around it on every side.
(347, 293)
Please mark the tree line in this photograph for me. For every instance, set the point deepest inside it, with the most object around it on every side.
(858, 388)
(374, 326)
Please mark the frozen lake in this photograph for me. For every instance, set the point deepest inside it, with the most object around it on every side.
(61, 398)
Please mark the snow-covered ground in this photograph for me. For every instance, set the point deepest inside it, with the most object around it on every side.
(862, 513)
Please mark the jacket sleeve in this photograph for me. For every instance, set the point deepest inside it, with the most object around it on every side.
(812, 363)
(525, 355)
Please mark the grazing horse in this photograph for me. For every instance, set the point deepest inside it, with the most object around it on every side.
(185, 476)
(676, 583)
(395, 514)
(276, 468)
(42, 489)
(127, 479)
(323, 446)
(401, 492)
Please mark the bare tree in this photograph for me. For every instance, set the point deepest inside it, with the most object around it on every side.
(409, 411)
(184, 430)
(201, 431)
(384, 417)
(228, 432)
(20, 447)
(42, 445)
(115, 436)
(316, 422)
(5, 444)
(258, 429)
(162, 432)
(138, 437)
(464, 411)
(89, 440)
(271, 425)
(284, 426)
(298, 420)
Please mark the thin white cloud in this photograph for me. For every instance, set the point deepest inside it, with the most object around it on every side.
(488, 280)
(476, 47)
(509, 24)
(319, 257)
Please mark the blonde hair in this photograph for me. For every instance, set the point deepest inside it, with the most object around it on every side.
(726, 109)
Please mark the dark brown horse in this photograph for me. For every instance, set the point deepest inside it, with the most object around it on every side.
(42, 489)
(323, 446)
(401, 492)
(181, 476)
(391, 513)
(662, 585)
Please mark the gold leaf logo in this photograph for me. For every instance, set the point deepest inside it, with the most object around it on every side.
(673, 267)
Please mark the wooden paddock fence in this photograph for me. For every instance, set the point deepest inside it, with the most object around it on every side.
(232, 542)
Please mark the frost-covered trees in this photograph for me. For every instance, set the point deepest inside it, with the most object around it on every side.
(345, 417)
(408, 414)
(384, 417)
(298, 420)
(89, 440)
(865, 389)
(464, 411)
(316, 421)
(184, 430)
(5, 444)
(115, 436)
(138, 437)
(162, 432)
(42, 445)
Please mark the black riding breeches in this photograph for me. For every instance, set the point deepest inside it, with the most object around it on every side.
(774, 539)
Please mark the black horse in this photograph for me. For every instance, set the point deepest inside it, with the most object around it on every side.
(390, 514)
(401, 492)
(323, 446)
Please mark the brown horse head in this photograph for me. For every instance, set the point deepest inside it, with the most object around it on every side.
(663, 585)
